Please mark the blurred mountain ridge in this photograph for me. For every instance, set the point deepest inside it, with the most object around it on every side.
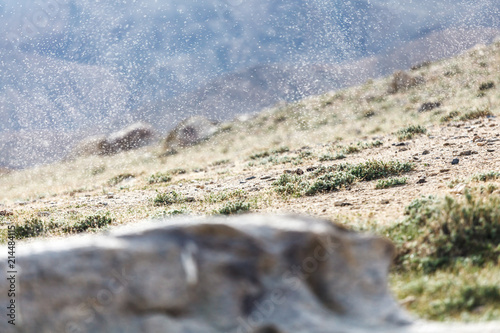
(81, 68)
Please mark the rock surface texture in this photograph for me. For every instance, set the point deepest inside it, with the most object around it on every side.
(190, 131)
(244, 274)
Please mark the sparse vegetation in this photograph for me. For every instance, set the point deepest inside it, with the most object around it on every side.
(90, 223)
(119, 178)
(438, 232)
(409, 132)
(35, 227)
(159, 177)
(486, 176)
(478, 113)
(236, 207)
(392, 182)
(168, 198)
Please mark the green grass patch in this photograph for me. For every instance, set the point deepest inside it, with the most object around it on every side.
(90, 223)
(486, 176)
(33, 228)
(231, 208)
(168, 198)
(461, 292)
(392, 182)
(438, 232)
(336, 177)
(159, 177)
(409, 132)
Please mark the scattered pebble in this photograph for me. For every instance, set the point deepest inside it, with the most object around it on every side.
(384, 202)
(190, 199)
(399, 144)
(444, 170)
(299, 172)
(455, 161)
(342, 204)
(251, 178)
(421, 180)
(265, 177)
(426, 152)
(490, 150)
(6, 213)
(311, 169)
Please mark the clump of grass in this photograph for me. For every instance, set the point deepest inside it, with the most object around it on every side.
(486, 85)
(90, 223)
(236, 207)
(486, 176)
(450, 116)
(33, 228)
(291, 185)
(392, 182)
(221, 162)
(476, 114)
(330, 157)
(460, 293)
(178, 171)
(159, 177)
(118, 179)
(268, 153)
(330, 182)
(407, 133)
(440, 232)
(168, 198)
(333, 178)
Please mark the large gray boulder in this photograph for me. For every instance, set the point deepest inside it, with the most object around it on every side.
(244, 274)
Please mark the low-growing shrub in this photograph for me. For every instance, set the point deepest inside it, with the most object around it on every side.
(90, 223)
(478, 113)
(486, 176)
(168, 198)
(236, 207)
(438, 232)
(386, 183)
(407, 133)
(33, 228)
(159, 177)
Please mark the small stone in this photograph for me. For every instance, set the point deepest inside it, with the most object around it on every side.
(342, 204)
(415, 158)
(426, 152)
(399, 144)
(299, 172)
(251, 178)
(480, 144)
(288, 171)
(465, 153)
(384, 202)
(265, 177)
(190, 199)
(455, 161)
(421, 180)
(444, 170)
(490, 150)
(6, 213)
(311, 169)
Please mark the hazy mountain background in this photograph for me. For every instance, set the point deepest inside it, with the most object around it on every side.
(74, 68)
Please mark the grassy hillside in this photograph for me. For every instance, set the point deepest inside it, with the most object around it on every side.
(420, 166)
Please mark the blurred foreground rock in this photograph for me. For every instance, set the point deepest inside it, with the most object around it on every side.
(132, 137)
(244, 274)
(190, 131)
